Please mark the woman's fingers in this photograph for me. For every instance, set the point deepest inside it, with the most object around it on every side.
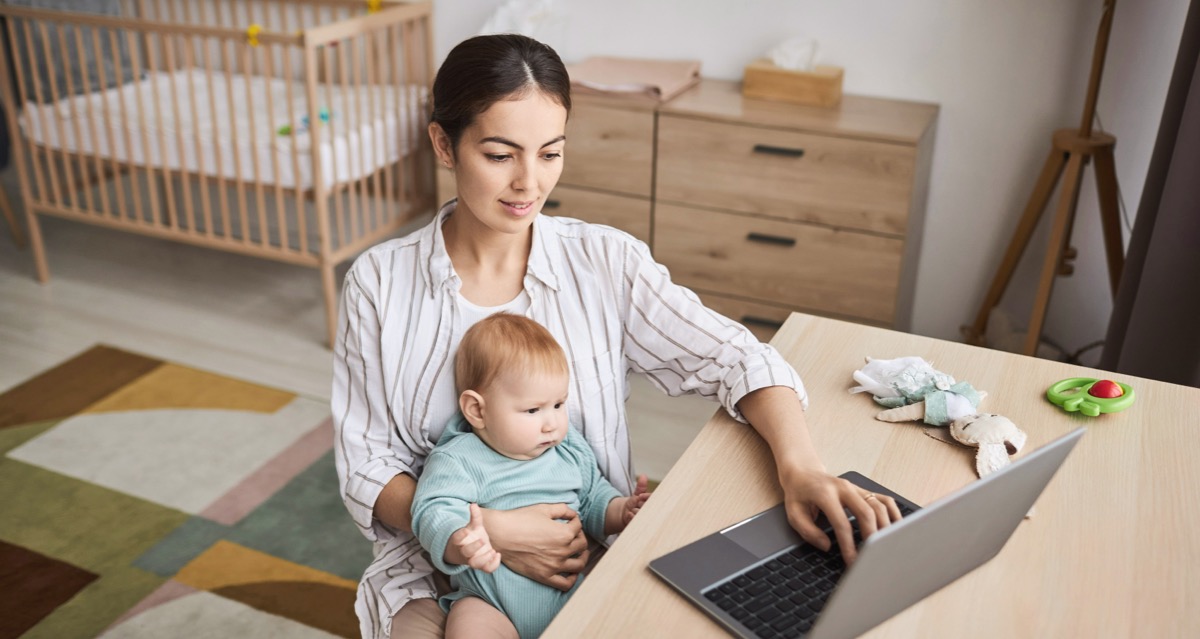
(809, 532)
(883, 515)
(578, 544)
(561, 582)
(842, 529)
(561, 511)
(810, 492)
(864, 511)
(575, 564)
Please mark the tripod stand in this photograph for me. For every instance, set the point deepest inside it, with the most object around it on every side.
(1073, 149)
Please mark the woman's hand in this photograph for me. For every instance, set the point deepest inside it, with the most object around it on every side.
(809, 492)
(534, 543)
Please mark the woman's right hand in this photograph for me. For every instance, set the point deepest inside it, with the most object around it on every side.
(533, 542)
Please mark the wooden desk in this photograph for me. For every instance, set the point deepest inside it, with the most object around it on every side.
(1113, 550)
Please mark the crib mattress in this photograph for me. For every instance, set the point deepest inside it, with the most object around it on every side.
(153, 122)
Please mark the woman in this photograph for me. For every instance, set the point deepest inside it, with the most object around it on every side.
(499, 121)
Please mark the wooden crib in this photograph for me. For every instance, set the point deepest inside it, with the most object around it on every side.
(292, 130)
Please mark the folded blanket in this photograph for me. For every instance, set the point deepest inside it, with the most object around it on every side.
(655, 79)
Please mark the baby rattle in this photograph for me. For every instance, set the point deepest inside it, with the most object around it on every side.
(1090, 396)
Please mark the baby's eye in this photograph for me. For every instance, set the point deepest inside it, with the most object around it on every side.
(558, 406)
(532, 411)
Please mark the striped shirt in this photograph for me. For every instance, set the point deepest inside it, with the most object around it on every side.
(612, 308)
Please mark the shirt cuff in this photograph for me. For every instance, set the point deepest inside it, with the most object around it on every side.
(761, 370)
(362, 491)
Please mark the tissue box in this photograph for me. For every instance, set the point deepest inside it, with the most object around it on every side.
(820, 87)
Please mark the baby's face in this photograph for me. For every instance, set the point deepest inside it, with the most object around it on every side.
(525, 415)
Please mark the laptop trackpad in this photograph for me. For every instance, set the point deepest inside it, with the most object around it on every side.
(766, 534)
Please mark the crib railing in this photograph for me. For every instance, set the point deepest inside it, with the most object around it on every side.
(286, 129)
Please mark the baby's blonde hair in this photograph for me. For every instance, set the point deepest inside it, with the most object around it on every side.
(505, 342)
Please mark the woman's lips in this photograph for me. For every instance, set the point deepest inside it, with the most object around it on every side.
(517, 209)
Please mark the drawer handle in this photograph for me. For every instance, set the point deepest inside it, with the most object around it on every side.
(762, 321)
(771, 239)
(551, 204)
(778, 150)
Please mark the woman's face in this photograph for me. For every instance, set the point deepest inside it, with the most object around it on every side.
(508, 161)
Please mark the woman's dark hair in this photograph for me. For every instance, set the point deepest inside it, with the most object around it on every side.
(485, 69)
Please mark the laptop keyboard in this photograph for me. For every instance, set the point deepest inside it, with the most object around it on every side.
(781, 598)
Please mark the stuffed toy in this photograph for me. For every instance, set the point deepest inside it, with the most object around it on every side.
(995, 436)
(911, 389)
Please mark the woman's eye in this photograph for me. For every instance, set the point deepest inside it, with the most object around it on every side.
(497, 157)
(552, 156)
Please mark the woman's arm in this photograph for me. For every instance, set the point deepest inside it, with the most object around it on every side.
(394, 504)
(368, 457)
(688, 348)
(775, 412)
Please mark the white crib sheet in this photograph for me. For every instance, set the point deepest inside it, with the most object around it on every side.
(175, 136)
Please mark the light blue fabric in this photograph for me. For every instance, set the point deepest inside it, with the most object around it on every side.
(462, 470)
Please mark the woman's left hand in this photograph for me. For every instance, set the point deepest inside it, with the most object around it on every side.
(810, 492)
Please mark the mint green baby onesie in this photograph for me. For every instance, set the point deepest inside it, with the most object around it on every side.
(462, 470)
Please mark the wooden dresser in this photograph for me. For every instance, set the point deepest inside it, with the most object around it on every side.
(767, 207)
(760, 207)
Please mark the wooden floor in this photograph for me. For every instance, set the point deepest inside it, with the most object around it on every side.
(246, 318)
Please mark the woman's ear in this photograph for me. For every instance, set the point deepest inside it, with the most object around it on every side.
(441, 145)
(471, 404)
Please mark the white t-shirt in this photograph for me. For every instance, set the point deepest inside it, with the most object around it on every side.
(445, 396)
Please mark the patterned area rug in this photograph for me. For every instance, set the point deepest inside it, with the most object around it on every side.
(141, 498)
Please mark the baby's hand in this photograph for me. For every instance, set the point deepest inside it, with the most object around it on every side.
(634, 502)
(473, 544)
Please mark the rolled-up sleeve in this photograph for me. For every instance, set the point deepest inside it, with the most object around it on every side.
(685, 347)
(365, 457)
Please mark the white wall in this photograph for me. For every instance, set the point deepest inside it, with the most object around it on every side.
(1006, 74)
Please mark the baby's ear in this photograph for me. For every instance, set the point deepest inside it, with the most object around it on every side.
(471, 405)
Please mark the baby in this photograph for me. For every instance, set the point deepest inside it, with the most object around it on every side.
(511, 447)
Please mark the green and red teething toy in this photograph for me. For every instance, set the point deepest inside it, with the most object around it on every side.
(1090, 396)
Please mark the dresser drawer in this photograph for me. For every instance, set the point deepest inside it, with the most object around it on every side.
(609, 148)
(843, 182)
(802, 266)
(630, 214)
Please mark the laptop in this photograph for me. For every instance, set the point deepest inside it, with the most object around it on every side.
(758, 578)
